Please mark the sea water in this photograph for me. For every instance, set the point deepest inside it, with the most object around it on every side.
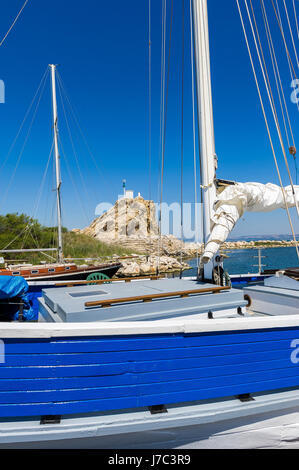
(246, 261)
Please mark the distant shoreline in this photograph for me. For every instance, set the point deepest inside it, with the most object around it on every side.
(237, 245)
(192, 250)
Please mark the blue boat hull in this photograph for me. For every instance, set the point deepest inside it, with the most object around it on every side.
(82, 375)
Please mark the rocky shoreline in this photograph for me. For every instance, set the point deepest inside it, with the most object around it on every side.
(150, 265)
(175, 261)
(141, 265)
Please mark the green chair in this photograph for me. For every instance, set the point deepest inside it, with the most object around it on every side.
(98, 277)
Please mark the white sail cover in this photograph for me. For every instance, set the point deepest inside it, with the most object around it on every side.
(234, 200)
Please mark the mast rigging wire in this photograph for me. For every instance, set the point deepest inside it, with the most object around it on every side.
(278, 85)
(64, 155)
(162, 107)
(182, 133)
(166, 102)
(277, 75)
(267, 125)
(296, 19)
(165, 128)
(194, 131)
(162, 93)
(29, 227)
(16, 238)
(44, 78)
(291, 32)
(72, 143)
(271, 97)
(40, 191)
(280, 90)
(280, 25)
(272, 104)
(3, 200)
(76, 119)
(14, 22)
(150, 97)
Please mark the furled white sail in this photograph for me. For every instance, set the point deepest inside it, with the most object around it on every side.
(234, 200)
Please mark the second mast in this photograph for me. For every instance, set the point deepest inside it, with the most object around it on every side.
(57, 162)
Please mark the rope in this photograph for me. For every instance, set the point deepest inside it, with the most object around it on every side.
(162, 109)
(278, 18)
(74, 115)
(16, 238)
(277, 76)
(267, 126)
(272, 104)
(166, 103)
(32, 236)
(291, 32)
(296, 19)
(207, 186)
(72, 143)
(290, 63)
(194, 128)
(40, 191)
(279, 86)
(13, 24)
(72, 180)
(150, 98)
(264, 62)
(162, 98)
(165, 125)
(24, 145)
(43, 180)
(24, 120)
(54, 208)
(182, 133)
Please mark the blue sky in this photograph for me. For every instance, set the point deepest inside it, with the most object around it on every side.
(102, 51)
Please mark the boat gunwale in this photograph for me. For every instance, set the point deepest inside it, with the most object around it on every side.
(101, 329)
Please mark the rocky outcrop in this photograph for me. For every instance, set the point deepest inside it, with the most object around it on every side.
(128, 218)
(132, 224)
(150, 265)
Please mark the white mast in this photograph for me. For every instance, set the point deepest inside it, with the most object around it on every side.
(206, 123)
(57, 161)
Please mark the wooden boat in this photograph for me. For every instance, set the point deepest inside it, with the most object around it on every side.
(59, 272)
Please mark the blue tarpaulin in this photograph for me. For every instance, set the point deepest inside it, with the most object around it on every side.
(16, 290)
